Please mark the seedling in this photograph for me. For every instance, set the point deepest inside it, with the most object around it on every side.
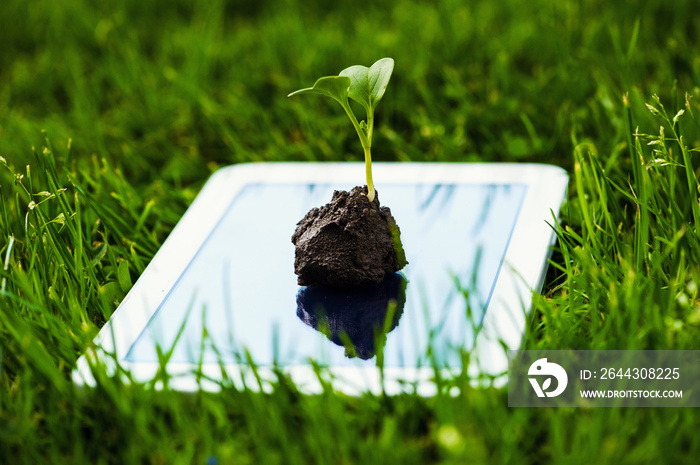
(364, 85)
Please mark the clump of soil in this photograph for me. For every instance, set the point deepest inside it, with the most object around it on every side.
(356, 316)
(349, 242)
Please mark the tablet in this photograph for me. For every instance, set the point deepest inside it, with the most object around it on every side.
(221, 296)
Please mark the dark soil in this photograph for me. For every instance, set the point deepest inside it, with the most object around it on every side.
(354, 315)
(349, 242)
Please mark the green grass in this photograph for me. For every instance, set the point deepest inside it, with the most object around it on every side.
(142, 100)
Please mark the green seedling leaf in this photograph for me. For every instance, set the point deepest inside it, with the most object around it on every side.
(364, 85)
(335, 87)
(369, 84)
(359, 88)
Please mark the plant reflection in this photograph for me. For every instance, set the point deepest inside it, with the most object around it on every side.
(356, 319)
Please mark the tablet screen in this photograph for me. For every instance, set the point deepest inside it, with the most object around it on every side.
(240, 293)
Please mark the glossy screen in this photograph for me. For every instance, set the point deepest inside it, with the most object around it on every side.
(240, 292)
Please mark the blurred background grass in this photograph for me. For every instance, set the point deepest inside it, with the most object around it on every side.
(185, 86)
(142, 100)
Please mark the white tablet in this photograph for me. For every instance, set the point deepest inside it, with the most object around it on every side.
(221, 292)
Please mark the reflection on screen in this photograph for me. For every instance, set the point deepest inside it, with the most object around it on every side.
(240, 291)
(355, 319)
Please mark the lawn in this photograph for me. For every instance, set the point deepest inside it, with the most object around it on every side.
(113, 115)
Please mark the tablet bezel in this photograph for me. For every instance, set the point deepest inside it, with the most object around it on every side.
(503, 324)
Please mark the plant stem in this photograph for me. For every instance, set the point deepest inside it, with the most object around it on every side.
(368, 156)
(368, 171)
(366, 141)
(363, 137)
